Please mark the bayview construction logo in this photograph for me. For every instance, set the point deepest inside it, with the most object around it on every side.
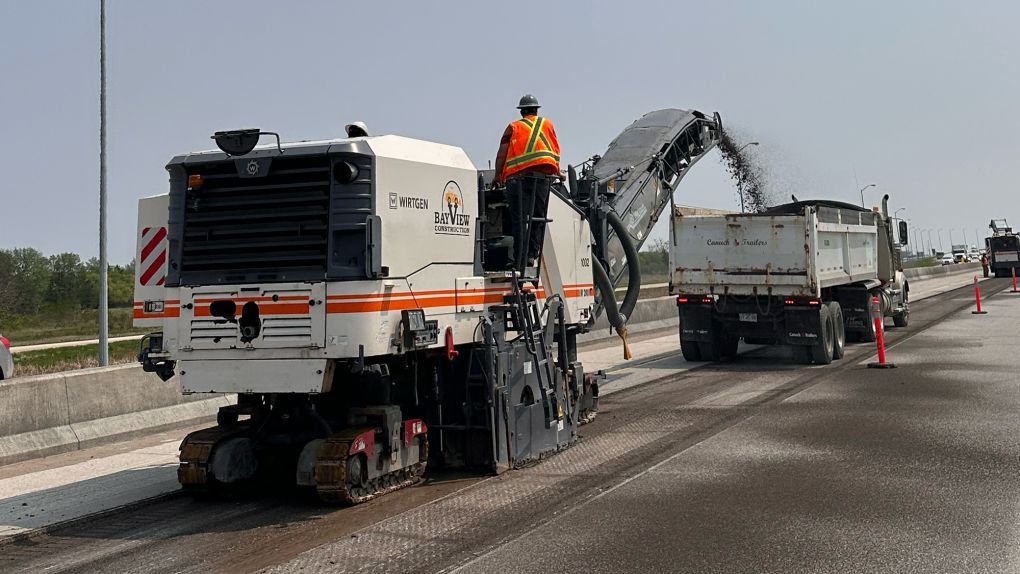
(453, 221)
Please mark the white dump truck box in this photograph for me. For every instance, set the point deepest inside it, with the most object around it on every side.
(783, 254)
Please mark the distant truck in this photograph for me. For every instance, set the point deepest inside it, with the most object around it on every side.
(801, 274)
(961, 253)
(1003, 248)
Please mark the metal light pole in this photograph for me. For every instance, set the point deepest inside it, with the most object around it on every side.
(942, 249)
(739, 191)
(104, 344)
(862, 194)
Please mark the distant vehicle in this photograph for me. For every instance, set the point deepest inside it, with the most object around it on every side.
(6, 360)
(1003, 248)
(960, 252)
(948, 259)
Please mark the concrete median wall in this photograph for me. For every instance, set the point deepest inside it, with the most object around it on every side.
(50, 414)
(942, 270)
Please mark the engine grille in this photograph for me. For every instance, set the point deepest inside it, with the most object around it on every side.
(267, 228)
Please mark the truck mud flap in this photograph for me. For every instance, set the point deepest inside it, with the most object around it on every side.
(802, 326)
(696, 323)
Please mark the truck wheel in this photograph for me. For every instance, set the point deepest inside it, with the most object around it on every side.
(901, 319)
(690, 350)
(838, 330)
(821, 351)
(709, 351)
(868, 335)
(728, 346)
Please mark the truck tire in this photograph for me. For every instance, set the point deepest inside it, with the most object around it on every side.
(709, 351)
(901, 319)
(868, 335)
(838, 330)
(728, 346)
(821, 351)
(691, 350)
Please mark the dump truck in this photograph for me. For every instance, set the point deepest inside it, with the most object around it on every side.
(803, 274)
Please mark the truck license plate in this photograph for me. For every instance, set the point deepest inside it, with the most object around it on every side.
(748, 317)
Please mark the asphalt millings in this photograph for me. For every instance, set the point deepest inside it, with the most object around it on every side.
(747, 174)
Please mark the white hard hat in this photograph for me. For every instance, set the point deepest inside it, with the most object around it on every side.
(356, 129)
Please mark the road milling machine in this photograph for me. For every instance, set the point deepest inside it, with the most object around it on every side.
(377, 306)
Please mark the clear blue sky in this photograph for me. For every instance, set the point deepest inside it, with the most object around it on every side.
(918, 97)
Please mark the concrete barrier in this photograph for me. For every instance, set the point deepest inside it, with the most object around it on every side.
(50, 414)
(941, 270)
(648, 315)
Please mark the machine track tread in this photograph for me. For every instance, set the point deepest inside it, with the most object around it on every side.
(196, 449)
(331, 482)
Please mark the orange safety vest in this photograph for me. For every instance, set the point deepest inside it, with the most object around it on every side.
(532, 143)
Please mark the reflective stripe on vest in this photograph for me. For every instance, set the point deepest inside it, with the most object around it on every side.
(533, 154)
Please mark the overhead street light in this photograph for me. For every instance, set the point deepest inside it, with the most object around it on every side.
(739, 191)
(862, 194)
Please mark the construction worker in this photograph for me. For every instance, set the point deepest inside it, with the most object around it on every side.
(984, 264)
(529, 145)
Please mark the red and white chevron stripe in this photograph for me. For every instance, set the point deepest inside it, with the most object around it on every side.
(153, 256)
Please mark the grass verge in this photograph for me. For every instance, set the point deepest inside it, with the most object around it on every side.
(56, 327)
(69, 358)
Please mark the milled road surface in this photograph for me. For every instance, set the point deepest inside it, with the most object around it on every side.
(757, 465)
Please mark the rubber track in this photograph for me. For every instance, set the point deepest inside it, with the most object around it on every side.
(331, 482)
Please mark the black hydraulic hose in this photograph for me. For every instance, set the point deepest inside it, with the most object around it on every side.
(618, 321)
(608, 296)
(633, 265)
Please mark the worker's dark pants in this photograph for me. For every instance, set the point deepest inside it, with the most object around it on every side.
(985, 269)
(516, 228)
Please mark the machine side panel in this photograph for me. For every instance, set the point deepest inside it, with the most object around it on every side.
(566, 261)
(365, 316)
(428, 214)
(150, 301)
(253, 376)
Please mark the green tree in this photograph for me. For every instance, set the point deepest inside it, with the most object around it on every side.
(31, 280)
(121, 285)
(8, 285)
(67, 280)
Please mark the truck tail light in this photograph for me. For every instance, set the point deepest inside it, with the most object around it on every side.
(684, 299)
(811, 301)
(194, 181)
